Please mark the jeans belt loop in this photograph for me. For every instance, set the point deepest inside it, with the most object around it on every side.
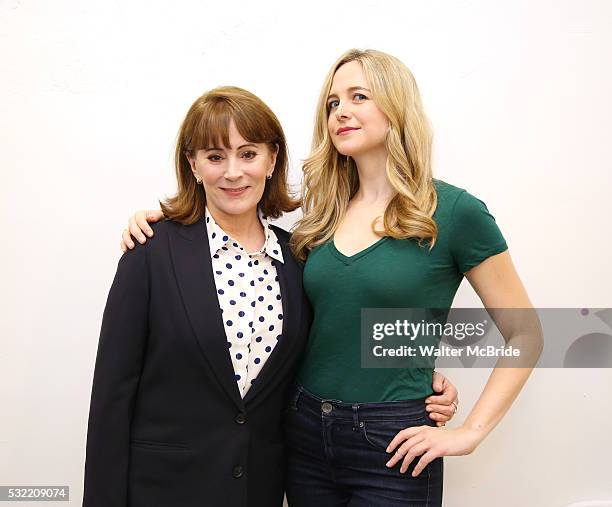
(355, 416)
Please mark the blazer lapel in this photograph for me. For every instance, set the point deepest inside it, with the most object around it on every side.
(290, 279)
(193, 267)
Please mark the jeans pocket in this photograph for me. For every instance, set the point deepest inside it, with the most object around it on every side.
(379, 434)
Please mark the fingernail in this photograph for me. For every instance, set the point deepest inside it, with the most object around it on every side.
(149, 233)
(131, 245)
(388, 464)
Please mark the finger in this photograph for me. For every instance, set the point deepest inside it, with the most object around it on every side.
(455, 407)
(122, 246)
(404, 449)
(440, 424)
(448, 388)
(447, 410)
(126, 239)
(440, 399)
(401, 436)
(435, 416)
(155, 215)
(416, 450)
(394, 459)
(136, 231)
(449, 394)
(142, 220)
(425, 460)
(439, 382)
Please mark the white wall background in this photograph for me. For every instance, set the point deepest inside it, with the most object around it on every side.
(92, 94)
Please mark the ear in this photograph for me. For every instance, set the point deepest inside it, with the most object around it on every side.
(274, 149)
(191, 160)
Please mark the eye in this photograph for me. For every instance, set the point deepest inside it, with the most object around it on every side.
(360, 96)
(332, 104)
(214, 158)
(249, 155)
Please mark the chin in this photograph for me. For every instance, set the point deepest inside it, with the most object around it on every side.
(348, 150)
(236, 206)
(240, 208)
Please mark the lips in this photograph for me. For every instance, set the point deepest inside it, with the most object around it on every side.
(344, 130)
(235, 191)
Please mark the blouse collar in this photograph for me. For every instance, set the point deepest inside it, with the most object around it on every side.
(218, 239)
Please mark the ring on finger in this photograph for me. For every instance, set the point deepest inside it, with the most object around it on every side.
(456, 407)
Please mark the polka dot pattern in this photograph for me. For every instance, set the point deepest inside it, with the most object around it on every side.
(250, 301)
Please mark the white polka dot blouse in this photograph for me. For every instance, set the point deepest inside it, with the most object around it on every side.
(249, 297)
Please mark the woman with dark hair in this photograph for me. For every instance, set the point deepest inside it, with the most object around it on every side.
(203, 328)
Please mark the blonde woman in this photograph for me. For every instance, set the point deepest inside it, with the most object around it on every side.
(379, 231)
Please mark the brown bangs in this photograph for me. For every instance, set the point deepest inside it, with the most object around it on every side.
(212, 127)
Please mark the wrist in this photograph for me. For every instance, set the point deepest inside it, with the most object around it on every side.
(476, 431)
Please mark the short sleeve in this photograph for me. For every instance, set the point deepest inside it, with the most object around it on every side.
(474, 234)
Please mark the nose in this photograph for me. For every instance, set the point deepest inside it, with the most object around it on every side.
(342, 111)
(233, 170)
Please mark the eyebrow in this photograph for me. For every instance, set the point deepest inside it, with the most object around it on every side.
(351, 89)
(239, 147)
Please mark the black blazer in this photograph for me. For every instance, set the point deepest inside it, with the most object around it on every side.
(167, 425)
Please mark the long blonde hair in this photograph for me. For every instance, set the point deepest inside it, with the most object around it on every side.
(331, 179)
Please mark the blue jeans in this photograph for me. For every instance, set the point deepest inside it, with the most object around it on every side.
(336, 454)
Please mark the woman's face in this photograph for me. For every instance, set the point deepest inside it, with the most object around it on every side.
(356, 125)
(234, 177)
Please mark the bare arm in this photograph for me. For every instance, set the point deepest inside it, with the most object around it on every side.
(498, 285)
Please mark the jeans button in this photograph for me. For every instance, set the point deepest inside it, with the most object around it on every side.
(237, 472)
(326, 407)
(240, 418)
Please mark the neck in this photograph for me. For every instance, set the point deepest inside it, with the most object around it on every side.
(374, 186)
(245, 228)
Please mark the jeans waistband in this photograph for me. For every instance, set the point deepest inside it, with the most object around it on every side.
(393, 410)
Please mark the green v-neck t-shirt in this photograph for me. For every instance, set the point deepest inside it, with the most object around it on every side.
(390, 273)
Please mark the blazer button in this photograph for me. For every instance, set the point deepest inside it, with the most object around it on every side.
(237, 472)
(240, 418)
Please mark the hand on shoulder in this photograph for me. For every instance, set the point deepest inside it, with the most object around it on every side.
(138, 226)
